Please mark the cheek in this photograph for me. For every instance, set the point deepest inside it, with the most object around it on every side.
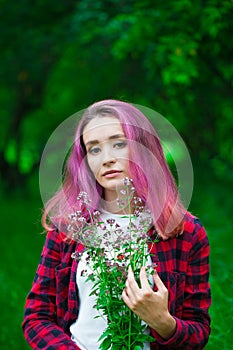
(125, 156)
(93, 165)
(122, 155)
(125, 163)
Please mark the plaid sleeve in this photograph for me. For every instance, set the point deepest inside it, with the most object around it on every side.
(40, 327)
(193, 329)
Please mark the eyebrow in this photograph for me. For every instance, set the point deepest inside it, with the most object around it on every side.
(112, 137)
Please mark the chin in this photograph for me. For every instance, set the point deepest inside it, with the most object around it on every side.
(111, 185)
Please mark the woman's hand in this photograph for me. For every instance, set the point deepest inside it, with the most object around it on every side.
(150, 306)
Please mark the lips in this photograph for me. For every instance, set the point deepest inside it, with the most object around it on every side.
(111, 173)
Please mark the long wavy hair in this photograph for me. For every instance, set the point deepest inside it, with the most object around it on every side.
(152, 178)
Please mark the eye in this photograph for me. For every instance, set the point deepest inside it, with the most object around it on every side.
(120, 144)
(94, 150)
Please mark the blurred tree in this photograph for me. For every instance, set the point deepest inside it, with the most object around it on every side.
(33, 38)
(179, 55)
(174, 56)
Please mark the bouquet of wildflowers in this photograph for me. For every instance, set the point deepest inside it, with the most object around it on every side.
(110, 252)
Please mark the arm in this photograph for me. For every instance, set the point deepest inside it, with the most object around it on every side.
(144, 301)
(40, 325)
(192, 331)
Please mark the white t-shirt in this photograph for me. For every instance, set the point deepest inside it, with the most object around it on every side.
(87, 329)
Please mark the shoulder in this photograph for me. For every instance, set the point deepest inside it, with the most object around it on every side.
(194, 231)
(57, 242)
(192, 224)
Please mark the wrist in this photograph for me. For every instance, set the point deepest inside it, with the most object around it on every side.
(166, 327)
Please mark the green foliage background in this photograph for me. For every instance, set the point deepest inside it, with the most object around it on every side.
(57, 58)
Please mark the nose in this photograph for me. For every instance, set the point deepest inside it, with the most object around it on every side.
(108, 156)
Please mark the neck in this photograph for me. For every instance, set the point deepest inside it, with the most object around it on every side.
(117, 203)
(113, 203)
(115, 208)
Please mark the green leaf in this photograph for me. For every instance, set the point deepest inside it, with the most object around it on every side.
(105, 345)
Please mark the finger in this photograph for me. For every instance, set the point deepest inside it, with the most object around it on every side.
(131, 282)
(143, 279)
(158, 282)
(130, 272)
(125, 297)
(132, 289)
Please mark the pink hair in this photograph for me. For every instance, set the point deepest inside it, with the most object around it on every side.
(148, 169)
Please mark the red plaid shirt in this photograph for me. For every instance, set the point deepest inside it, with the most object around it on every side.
(183, 266)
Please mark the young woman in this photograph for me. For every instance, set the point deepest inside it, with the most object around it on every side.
(114, 141)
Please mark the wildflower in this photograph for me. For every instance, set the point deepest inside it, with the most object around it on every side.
(72, 217)
(110, 250)
(83, 198)
(120, 257)
(123, 192)
(137, 200)
(83, 273)
(110, 221)
(127, 181)
(82, 219)
(75, 256)
(121, 203)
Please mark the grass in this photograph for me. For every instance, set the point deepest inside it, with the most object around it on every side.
(21, 244)
(213, 202)
(20, 251)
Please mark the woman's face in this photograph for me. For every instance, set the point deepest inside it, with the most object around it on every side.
(107, 153)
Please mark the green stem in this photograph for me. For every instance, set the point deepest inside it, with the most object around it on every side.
(130, 326)
(130, 312)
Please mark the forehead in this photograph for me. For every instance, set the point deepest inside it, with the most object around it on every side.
(101, 128)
